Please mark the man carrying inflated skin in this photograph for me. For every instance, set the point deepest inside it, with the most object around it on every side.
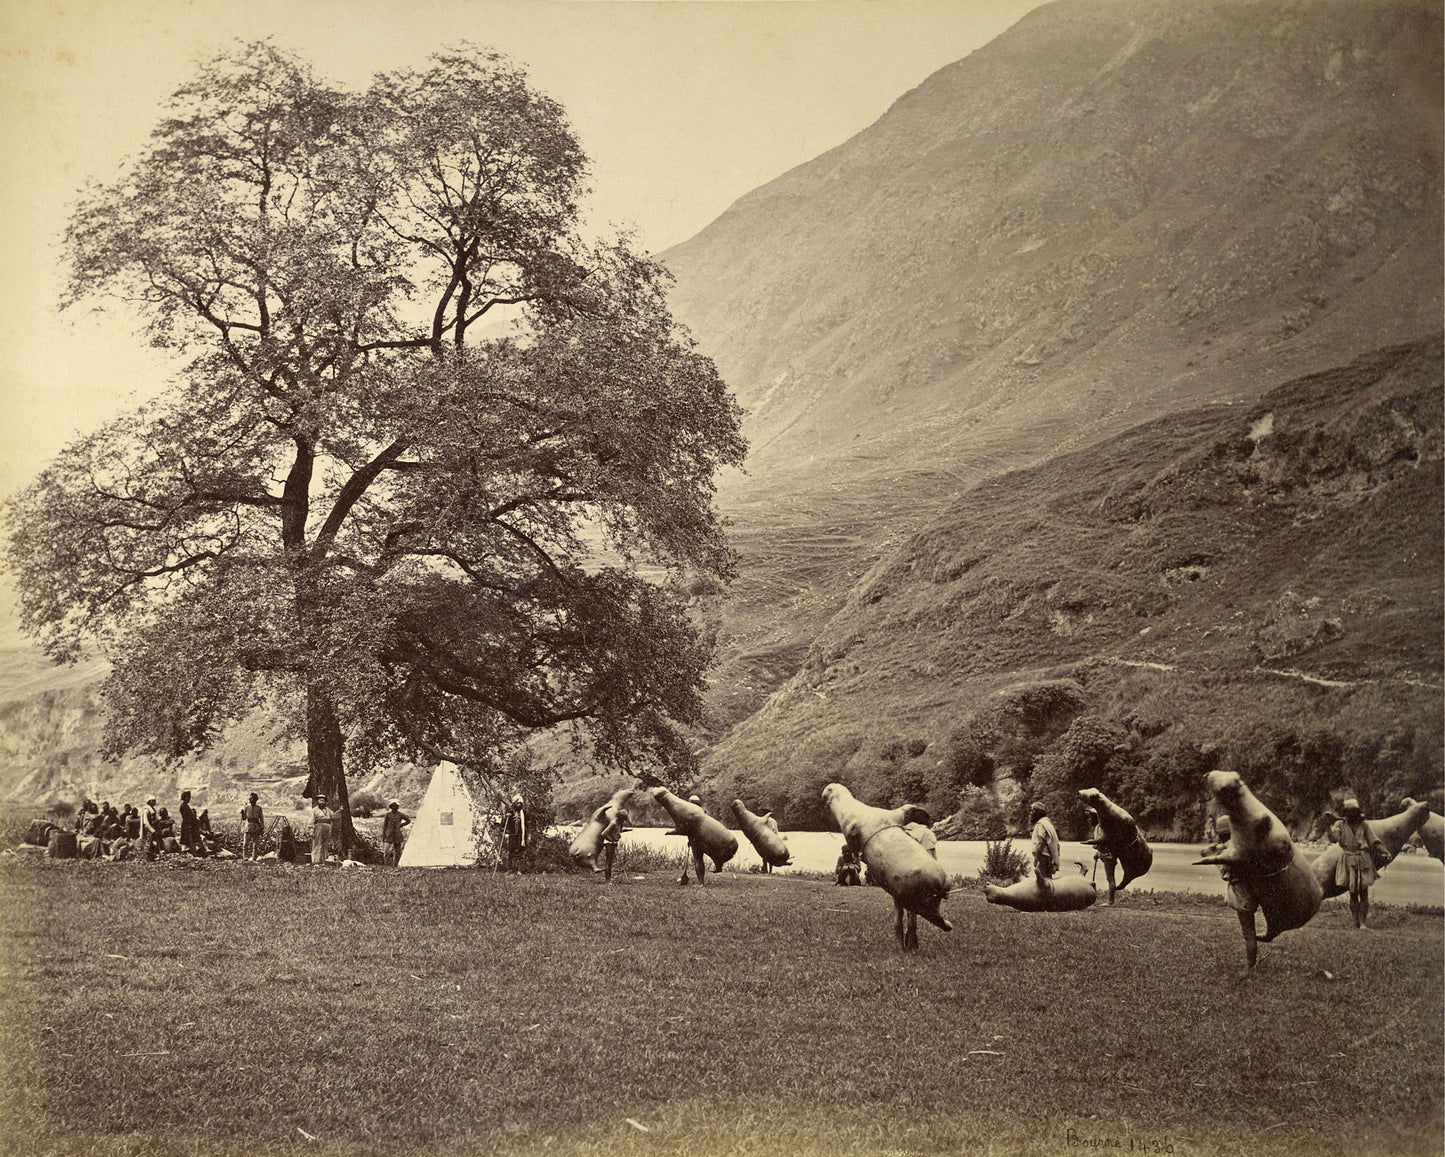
(1045, 845)
(1357, 867)
(611, 836)
(1103, 851)
(1239, 895)
(695, 849)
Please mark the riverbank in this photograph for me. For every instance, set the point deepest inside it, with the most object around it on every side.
(1411, 879)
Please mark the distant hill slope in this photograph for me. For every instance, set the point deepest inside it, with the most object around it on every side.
(52, 734)
(51, 737)
(1278, 565)
(1116, 210)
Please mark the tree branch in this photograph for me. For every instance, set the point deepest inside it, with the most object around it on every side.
(354, 488)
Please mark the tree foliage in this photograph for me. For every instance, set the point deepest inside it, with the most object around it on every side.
(979, 816)
(444, 538)
(1090, 753)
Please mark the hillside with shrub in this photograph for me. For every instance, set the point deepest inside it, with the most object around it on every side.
(1254, 586)
(1114, 211)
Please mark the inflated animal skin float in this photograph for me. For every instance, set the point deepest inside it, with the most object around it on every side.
(762, 832)
(1432, 831)
(702, 831)
(1261, 852)
(588, 842)
(1059, 894)
(1385, 839)
(1122, 833)
(896, 861)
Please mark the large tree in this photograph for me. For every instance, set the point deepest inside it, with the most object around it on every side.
(441, 540)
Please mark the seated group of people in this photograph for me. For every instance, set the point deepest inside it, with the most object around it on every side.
(102, 832)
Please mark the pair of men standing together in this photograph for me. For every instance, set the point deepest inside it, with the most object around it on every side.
(253, 820)
(1045, 848)
(323, 823)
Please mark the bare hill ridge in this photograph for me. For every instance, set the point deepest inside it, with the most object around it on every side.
(1115, 209)
(1278, 565)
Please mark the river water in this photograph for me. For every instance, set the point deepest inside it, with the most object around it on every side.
(1410, 879)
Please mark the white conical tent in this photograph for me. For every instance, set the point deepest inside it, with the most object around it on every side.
(449, 828)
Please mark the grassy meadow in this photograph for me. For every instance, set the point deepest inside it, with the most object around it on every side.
(200, 1008)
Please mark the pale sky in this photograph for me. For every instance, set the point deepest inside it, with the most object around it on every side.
(682, 106)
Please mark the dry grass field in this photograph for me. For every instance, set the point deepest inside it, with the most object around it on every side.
(193, 1007)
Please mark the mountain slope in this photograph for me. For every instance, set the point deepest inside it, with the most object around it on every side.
(1278, 565)
(1118, 209)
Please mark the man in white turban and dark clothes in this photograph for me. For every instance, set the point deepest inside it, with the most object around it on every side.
(514, 833)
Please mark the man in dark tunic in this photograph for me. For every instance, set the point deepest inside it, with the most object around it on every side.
(190, 827)
(391, 827)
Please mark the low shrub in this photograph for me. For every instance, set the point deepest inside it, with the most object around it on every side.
(1002, 863)
(551, 854)
(979, 816)
(548, 853)
(14, 826)
(640, 859)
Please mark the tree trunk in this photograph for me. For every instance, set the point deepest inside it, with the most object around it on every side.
(326, 775)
